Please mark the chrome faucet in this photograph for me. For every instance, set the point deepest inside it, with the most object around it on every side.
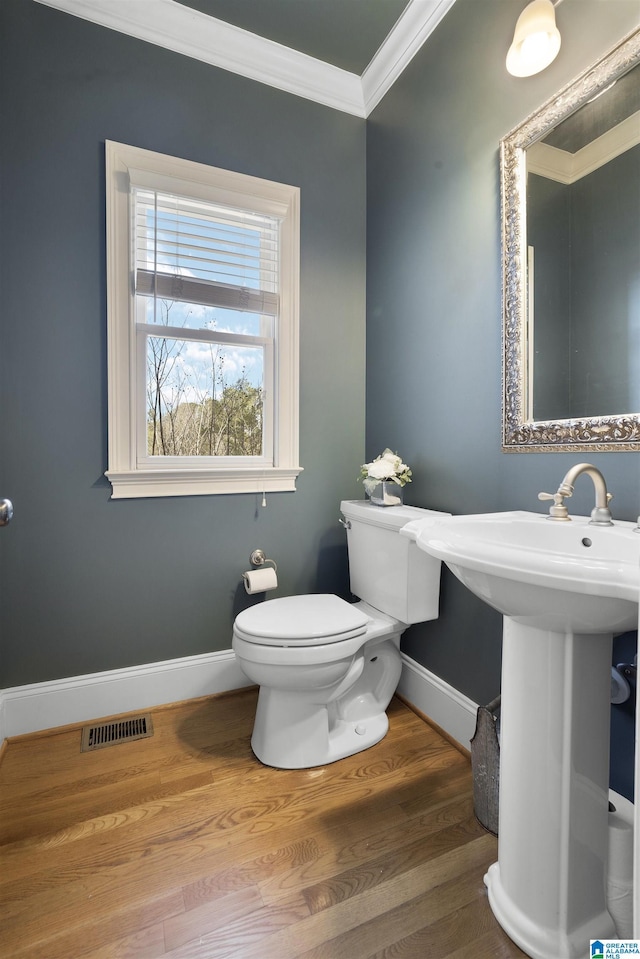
(600, 514)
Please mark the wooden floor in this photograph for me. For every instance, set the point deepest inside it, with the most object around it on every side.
(185, 846)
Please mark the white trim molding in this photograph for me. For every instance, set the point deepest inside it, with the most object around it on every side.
(184, 30)
(446, 706)
(417, 23)
(565, 167)
(39, 706)
(131, 484)
(80, 699)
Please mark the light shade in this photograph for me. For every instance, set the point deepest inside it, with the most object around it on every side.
(536, 40)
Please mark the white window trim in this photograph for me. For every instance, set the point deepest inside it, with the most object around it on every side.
(128, 479)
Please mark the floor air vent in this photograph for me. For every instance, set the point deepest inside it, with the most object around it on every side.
(118, 731)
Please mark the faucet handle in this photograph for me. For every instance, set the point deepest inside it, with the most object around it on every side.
(558, 511)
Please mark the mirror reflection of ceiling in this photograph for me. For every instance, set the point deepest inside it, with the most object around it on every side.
(345, 33)
(603, 128)
(600, 115)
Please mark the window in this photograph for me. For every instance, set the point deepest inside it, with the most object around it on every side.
(202, 306)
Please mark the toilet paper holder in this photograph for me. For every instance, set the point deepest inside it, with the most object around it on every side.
(264, 578)
(258, 558)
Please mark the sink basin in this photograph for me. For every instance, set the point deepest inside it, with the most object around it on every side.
(564, 589)
(563, 576)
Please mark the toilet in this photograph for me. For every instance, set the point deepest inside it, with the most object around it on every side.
(326, 668)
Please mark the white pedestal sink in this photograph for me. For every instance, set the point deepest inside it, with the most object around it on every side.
(564, 589)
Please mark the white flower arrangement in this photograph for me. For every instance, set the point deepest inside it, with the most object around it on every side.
(386, 468)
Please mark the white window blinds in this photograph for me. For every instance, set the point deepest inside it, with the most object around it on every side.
(199, 252)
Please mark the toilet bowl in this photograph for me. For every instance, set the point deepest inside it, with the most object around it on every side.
(327, 669)
(322, 697)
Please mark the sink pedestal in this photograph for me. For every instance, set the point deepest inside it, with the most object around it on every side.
(548, 888)
(564, 589)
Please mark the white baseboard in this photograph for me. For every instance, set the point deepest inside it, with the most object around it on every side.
(450, 709)
(39, 706)
(28, 709)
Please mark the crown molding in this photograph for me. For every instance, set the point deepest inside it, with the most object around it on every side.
(564, 167)
(184, 30)
(417, 23)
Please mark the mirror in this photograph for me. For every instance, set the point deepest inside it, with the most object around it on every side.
(570, 186)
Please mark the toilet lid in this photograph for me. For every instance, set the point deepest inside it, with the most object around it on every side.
(301, 621)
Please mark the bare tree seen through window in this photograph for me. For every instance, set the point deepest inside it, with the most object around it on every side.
(200, 399)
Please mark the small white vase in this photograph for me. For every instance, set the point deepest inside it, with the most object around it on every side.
(386, 494)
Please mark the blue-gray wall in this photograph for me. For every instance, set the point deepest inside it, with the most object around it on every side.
(586, 241)
(88, 583)
(549, 233)
(606, 302)
(434, 294)
(91, 584)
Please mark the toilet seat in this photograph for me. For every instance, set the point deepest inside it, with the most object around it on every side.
(310, 620)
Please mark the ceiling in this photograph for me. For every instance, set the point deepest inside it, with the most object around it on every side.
(600, 114)
(346, 33)
(344, 54)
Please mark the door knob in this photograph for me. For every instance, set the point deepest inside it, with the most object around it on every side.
(6, 511)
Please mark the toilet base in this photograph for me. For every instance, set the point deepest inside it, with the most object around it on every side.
(318, 740)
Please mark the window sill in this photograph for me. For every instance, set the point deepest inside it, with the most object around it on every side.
(138, 484)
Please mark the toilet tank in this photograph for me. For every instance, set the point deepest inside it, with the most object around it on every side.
(386, 569)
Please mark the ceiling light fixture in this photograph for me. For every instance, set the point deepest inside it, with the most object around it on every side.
(536, 40)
